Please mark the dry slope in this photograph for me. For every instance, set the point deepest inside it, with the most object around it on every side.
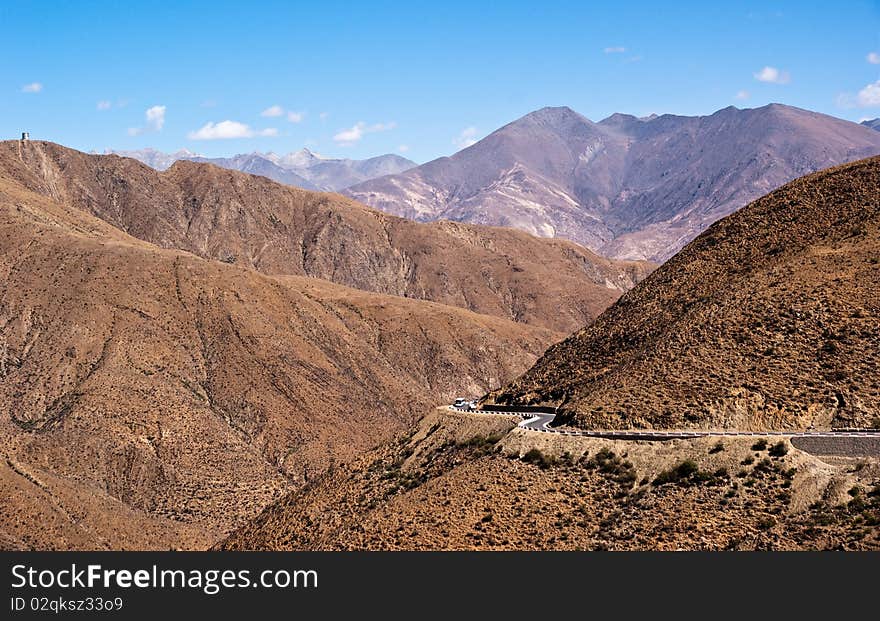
(770, 319)
(153, 399)
(469, 482)
(254, 222)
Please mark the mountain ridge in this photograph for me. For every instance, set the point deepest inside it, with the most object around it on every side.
(303, 168)
(623, 187)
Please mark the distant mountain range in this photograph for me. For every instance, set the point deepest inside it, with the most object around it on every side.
(302, 168)
(873, 124)
(626, 187)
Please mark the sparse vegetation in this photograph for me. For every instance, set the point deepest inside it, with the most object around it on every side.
(483, 444)
(717, 447)
(780, 449)
(681, 472)
(613, 467)
(535, 456)
(764, 466)
(760, 445)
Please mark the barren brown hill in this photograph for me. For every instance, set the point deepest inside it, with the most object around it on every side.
(768, 320)
(254, 222)
(474, 482)
(153, 399)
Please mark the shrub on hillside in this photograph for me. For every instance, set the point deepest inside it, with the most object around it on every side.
(535, 456)
(780, 449)
(681, 472)
(614, 467)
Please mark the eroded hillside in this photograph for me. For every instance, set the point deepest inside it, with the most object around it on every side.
(254, 222)
(768, 320)
(153, 399)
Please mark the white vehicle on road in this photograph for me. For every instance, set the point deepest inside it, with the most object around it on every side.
(462, 403)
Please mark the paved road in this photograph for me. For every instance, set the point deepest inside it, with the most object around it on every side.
(541, 423)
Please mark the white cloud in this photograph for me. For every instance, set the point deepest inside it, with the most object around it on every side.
(869, 97)
(104, 105)
(33, 87)
(277, 111)
(616, 49)
(743, 95)
(273, 111)
(156, 117)
(465, 138)
(873, 58)
(229, 129)
(772, 75)
(155, 121)
(355, 133)
(350, 135)
(403, 148)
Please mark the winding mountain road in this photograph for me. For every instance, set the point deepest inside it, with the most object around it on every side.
(540, 421)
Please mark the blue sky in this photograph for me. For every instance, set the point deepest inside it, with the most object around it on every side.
(421, 79)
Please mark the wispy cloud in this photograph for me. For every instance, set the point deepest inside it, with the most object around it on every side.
(155, 121)
(403, 148)
(33, 87)
(225, 130)
(324, 116)
(104, 105)
(772, 75)
(615, 49)
(465, 138)
(743, 95)
(869, 97)
(353, 134)
(873, 58)
(277, 111)
(273, 111)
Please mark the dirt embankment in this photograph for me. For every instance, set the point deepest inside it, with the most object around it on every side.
(474, 481)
